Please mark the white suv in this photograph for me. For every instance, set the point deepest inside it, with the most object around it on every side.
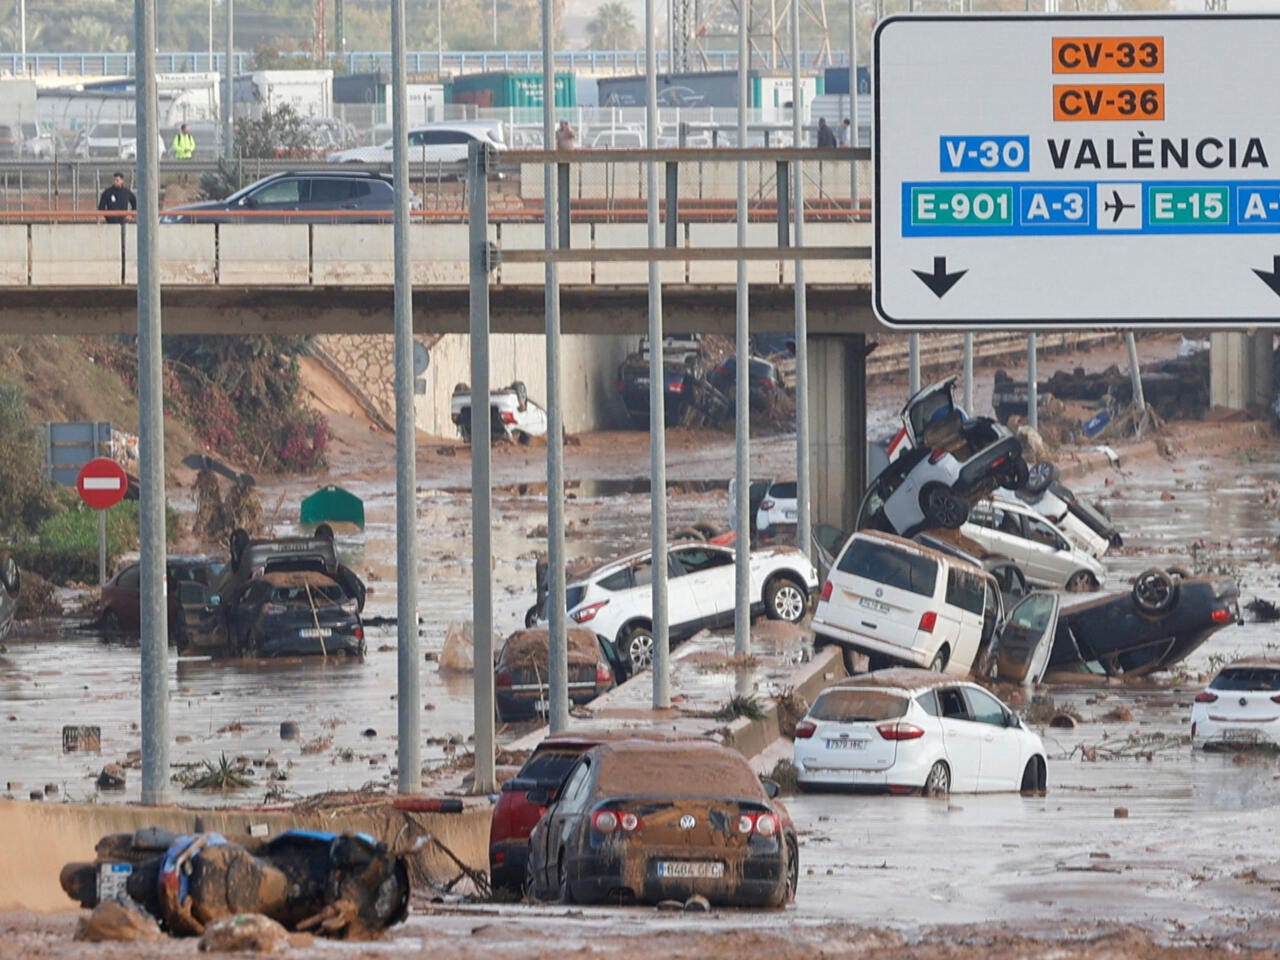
(1009, 527)
(435, 143)
(616, 600)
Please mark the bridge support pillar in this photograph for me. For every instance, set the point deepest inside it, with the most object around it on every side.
(1240, 369)
(838, 426)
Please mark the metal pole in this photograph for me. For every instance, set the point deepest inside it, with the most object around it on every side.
(481, 469)
(439, 39)
(657, 393)
(1135, 374)
(968, 374)
(102, 548)
(153, 609)
(228, 87)
(556, 613)
(1033, 390)
(913, 364)
(742, 398)
(22, 33)
(408, 661)
(210, 34)
(803, 523)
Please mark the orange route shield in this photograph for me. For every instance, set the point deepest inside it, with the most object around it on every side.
(1132, 102)
(1091, 55)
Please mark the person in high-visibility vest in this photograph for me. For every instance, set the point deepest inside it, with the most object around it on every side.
(184, 144)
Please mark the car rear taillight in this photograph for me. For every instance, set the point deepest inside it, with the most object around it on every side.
(999, 462)
(1221, 616)
(455, 417)
(928, 620)
(804, 729)
(899, 731)
(603, 674)
(502, 679)
(937, 455)
(897, 439)
(273, 609)
(1206, 697)
(676, 386)
(508, 416)
(767, 383)
(611, 821)
(826, 591)
(1276, 698)
(766, 504)
(588, 612)
(359, 632)
(765, 824)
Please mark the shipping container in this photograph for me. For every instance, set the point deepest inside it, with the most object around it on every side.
(508, 89)
(772, 97)
(365, 99)
(717, 88)
(836, 80)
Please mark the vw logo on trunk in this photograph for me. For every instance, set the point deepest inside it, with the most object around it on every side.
(879, 591)
(687, 822)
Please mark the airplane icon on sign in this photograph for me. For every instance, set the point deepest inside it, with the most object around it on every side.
(1117, 205)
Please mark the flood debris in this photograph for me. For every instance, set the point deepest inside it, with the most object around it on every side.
(244, 933)
(344, 886)
(117, 921)
(112, 777)
(1264, 611)
(81, 738)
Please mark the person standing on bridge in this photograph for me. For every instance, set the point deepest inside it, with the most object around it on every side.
(117, 199)
(826, 136)
(184, 144)
(566, 136)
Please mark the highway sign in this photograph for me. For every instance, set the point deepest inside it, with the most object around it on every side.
(102, 483)
(1077, 170)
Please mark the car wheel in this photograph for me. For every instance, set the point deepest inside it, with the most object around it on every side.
(938, 783)
(791, 877)
(1014, 476)
(566, 889)
(783, 600)
(110, 622)
(1081, 581)
(9, 575)
(942, 508)
(1033, 777)
(1154, 591)
(531, 616)
(637, 644)
(939, 662)
(1040, 475)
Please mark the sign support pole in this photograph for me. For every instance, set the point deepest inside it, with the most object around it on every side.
(102, 548)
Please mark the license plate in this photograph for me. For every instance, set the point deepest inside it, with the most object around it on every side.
(1240, 736)
(641, 381)
(789, 514)
(701, 869)
(846, 744)
(112, 878)
(540, 706)
(314, 632)
(875, 605)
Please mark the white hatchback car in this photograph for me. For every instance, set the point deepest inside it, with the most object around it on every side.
(1011, 528)
(913, 731)
(1240, 707)
(616, 600)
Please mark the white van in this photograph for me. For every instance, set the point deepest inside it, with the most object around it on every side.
(899, 602)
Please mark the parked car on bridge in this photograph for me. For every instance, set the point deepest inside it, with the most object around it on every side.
(914, 731)
(37, 140)
(641, 821)
(11, 141)
(318, 196)
(112, 141)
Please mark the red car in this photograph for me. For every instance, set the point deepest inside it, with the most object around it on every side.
(523, 800)
(121, 595)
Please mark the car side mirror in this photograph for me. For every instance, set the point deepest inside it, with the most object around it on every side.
(771, 788)
(249, 202)
(1011, 720)
(539, 795)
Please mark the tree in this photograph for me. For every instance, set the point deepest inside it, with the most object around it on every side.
(279, 132)
(26, 497)
(613, 27)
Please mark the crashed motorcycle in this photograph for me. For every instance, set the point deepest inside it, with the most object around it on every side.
(346, 886)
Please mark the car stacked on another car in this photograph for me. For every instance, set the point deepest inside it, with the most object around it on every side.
(940, 462)
(682, 363)
(638, 820)
(914, 731)
(616, 600)
(1240, 707)
(1006, 526)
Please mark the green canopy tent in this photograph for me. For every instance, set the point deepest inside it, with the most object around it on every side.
(332, 505)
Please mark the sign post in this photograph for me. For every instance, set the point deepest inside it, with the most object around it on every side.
(1076, 171)
(102, 483)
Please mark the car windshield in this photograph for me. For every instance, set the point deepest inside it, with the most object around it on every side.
(1247, 678)
(891, 566)
(547, 768)
(854, 706)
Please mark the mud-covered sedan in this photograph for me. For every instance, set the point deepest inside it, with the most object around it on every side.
(522, 675)
(642, 821)
(294, 613)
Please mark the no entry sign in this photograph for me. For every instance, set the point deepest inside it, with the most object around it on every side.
(102, 483)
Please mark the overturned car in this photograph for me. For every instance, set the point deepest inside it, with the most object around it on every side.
(346, 885)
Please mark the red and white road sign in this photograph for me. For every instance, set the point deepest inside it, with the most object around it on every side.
(102, 483)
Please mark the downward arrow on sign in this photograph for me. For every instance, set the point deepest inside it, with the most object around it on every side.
(1272, 277)
(940, 281)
